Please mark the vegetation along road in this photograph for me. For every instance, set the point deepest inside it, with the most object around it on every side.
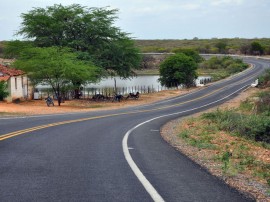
(115, 155)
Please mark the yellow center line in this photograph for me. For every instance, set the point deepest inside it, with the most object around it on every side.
(20, 132)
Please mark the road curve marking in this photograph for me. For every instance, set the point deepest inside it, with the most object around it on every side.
(20, 132)
(146, 184)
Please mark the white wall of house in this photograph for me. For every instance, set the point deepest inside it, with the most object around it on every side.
(19, 88)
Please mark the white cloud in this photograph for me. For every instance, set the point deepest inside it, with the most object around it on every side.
(226, 2)
(191, 6)
(163, 18)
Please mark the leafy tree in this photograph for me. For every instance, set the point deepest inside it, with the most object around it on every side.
(267, 50)
(221, 45)
(256, 48)
(57, 67)
(178, 69)
(120, 57)
(190, 52)
(14, 48)
(89, 31)
(3, 90)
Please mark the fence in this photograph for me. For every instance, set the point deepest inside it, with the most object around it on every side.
(87, 93)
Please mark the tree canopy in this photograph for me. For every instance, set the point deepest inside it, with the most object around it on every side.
(89, 31)
(190, 52)
(57, 67)
(256, 48)
(178, 69)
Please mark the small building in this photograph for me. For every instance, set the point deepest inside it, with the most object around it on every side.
(17, 81)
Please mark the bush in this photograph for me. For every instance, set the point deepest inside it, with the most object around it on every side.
(263, 105)
(3, 90)
(178, 69)
(227, 62)
(255, 127)
(265, 78)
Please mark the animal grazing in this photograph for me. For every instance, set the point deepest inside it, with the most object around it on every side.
(98, 97)
(118, 97)
(134, 96)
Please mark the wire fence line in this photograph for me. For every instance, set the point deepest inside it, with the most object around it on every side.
(88, 93)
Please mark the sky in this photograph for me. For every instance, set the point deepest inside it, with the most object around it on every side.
(162, 19)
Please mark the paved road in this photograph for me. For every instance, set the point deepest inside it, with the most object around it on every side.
(114, 155)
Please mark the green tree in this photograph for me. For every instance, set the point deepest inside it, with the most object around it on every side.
(3, 90)
(221, 45)
(120, 57)
(57, 67)
(90, 31)
(190, 52)
(178, 69)
(256, 48)
(14, 48)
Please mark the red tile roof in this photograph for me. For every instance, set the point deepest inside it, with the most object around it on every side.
(4, 78)
(7, 71)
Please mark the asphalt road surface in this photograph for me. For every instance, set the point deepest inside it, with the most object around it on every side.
(115, 155)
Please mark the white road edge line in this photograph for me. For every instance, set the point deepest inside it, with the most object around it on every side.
(147, 185)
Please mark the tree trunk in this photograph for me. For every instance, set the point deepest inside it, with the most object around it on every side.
(58, 95)
(115, 89)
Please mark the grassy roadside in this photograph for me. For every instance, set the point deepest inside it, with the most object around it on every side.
(224, 142)
(216, 74)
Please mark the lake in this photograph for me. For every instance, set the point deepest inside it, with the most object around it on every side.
(139, 83)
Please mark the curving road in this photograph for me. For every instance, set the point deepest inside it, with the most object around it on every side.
(115, 155)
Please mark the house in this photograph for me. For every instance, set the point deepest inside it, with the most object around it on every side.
(17, 81)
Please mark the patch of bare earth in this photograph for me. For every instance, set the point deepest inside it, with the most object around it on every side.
(35, 107)
(245, 180)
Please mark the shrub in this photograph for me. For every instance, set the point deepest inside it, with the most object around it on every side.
(265, 78)
(255, 127)
(263, 105)
(230, 64)
(3, 90)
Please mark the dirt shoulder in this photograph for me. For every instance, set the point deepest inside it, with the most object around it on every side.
(38, 107)
(246, 182)
(169, 131)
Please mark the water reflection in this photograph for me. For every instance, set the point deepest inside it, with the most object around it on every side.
(136, 81)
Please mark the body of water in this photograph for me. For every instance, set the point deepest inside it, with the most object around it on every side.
(140, 83)
(120, 83)
(148, 81)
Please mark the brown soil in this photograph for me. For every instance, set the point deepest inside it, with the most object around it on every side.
(35, 107)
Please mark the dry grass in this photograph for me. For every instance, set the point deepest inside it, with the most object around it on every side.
(247, 164)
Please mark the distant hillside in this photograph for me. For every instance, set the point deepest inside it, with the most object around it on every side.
(231, 46)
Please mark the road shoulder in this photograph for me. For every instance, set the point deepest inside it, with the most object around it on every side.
(250, 187)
